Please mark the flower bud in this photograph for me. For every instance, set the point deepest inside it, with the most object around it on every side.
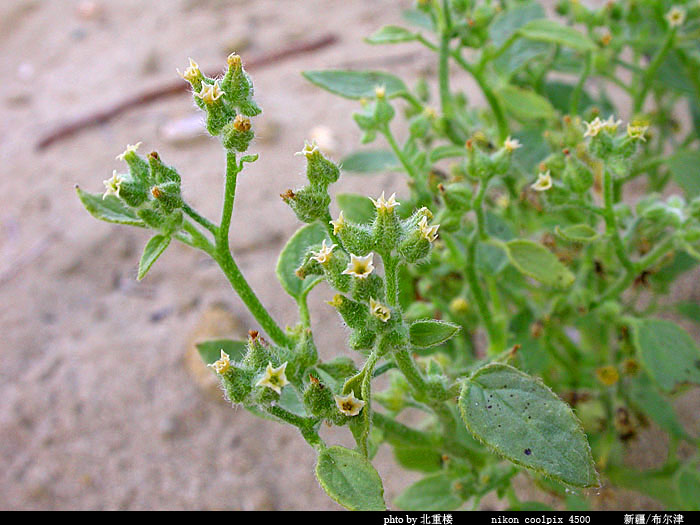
(160, 172)
(318, 399)
(237, 135)
(353, 313)
(307, 203)
(457, 196)
(138, 167)
(386, 228)
(237, 383)
(239, 87)
(319, 170)
(167, 195)
(577, 176)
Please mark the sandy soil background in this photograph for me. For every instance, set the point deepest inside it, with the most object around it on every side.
(100, 407)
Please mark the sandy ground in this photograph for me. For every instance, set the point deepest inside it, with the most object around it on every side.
(99, 408)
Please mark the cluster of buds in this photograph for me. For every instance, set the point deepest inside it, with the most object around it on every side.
(375, 115)
(228, 103)
(607, 144)
(311, 202)
(151, 188)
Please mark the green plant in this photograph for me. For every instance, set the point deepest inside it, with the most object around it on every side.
(513, 255)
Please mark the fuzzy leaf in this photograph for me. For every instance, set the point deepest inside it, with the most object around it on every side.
(350, 479)
(418, 18)
(667, 352)
(391, 35)
(370, 161)
(524, 104)
(536, 261)
(689, 487)
(210, 351)
(646, 398)
(291, 256)
(507, 22)
(545, 30)
(447, 151)
(429, 332)
(356, 208)
(685, 168)
(581, 233)
(423, 459)
(521, 419)
(356, 84)
(154, 248)
(431, 493)
(109, 209)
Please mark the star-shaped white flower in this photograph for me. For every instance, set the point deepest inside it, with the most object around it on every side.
(360, 267)
(636, 131)
(210, 93)
(380, 91)
(130, 148)
(113, 185)
(384, 205)
(544, 182)
(324, 254)
(593, 127)
(338, 224)
(310, 149)
(676, 16)
(222, 364)
(511, 144)
(192, 72)
(610, 125)
(349, 405)
(274, 378)
(429, 233)
(379, 311)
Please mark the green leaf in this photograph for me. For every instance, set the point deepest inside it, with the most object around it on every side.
(667, 352)
(153, 249)
(109, 209)
(350, 479)
(210, 351)
(685, 168)
(507, 22)
(524, 421)
(647, 399)
(391, 35)
(356, 208)
(356, 84)
(430, 493)
(559, 94)
(689, 310)
(689, 487)
(524, 104)
(429, 332)
(370, 161)
(423, 459)
(446, 152)
(545, 30)
(291, 256)
(581, 233)
(536, 261)
(535, 149)
(418, 18)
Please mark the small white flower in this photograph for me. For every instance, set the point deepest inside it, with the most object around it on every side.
(429, 233)
(210, 93)
(310, 148)
(593, 127)
(113, 185)
(130, 148)
(360, 267)
(274, 378)
(192, 72)
(676, 16)
(635, 131)
(379, 311)
(380, 91)
(511, 144)
(222, 364)
(385, 205)
(349, 405)
(544, 182)
(610, 125)
(324, 254)
(338, 224)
